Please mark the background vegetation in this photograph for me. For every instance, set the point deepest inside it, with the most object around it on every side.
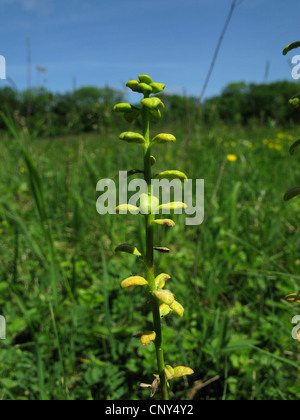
(232, 272)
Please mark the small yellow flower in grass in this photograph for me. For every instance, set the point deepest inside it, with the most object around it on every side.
(232, 158)
(278, 147)
(22, 170)
(265, 141)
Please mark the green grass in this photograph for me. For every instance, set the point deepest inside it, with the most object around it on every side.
(232, 272)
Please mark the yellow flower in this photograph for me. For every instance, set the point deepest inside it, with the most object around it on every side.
(281, 136)
(278, 147)
(22, 170)
(265, 141)
(232, 158)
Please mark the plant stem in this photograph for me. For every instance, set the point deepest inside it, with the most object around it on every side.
(149, 260)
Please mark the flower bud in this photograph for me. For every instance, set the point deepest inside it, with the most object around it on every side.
(171, 175)
(127, 208)
(124, 107)
(162, 249)
(147, 338)
(169, 371)
(166, 222)
(182, 371)
(295, 102)
(144, 88)
(155, 113)
(160, 280)
(129, 249)
(153, 160)
(163, 138)
(176, 307)
(164, 310)
(293, 298)
(173, 206)
(133, 84)
(148, 204)
(144, 78)
(152, 103)
(131, 116)
(133, 281)
(131, 137)
(165, 296)
(157, 87)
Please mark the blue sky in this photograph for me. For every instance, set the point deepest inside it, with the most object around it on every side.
(109, 42)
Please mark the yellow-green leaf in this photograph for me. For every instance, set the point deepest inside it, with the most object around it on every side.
(129, 249)
(133, 281)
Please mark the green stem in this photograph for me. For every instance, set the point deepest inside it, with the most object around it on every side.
(149, 261)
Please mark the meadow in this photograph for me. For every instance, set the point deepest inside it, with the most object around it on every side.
(232, 272)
